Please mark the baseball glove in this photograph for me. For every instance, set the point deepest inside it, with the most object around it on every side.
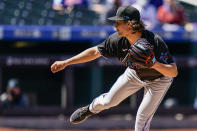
(141, 52)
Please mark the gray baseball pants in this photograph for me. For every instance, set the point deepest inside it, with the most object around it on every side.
(127, 84)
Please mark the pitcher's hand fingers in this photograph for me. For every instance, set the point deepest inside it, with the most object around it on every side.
(54, 68)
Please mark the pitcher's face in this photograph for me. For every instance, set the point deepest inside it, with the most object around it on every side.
(122, 28)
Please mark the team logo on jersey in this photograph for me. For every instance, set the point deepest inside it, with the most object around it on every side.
(164, 57)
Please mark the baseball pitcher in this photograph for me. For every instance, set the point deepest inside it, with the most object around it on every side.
(149, 66)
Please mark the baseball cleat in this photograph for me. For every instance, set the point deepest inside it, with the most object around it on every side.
(80, 115)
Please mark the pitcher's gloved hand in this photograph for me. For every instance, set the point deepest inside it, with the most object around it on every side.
(141, 52)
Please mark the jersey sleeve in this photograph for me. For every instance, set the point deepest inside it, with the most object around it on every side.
(108, 48)
(162, 53)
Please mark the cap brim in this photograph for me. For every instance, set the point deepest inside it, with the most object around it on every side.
(115, 18)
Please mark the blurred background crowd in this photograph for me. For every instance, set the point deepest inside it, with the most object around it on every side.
(35, 33)
(93, 12)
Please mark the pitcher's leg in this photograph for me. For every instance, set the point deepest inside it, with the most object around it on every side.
(125, 86)
(153, 95)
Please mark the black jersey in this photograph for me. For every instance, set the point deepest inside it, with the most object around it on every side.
(115, 46)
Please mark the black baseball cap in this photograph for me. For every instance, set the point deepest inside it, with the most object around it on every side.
(126, 13)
